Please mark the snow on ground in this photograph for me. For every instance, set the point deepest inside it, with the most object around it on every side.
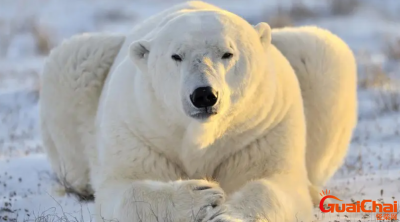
(28, 28)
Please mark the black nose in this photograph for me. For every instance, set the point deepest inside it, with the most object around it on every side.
(204, 97)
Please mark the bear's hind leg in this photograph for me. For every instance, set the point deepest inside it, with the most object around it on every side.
(71, 169)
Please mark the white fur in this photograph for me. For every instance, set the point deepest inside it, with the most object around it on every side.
(326, 69)
(151, 159)
(73, 79)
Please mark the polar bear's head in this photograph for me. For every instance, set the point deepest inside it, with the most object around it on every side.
(202, 64)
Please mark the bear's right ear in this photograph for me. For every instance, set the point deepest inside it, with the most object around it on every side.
(139, 53)
(264, 32)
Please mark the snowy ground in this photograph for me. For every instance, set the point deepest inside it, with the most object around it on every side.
(29, 28)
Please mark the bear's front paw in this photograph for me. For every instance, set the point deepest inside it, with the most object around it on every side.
(196, 198)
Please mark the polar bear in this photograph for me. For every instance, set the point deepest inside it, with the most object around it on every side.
(195, 115)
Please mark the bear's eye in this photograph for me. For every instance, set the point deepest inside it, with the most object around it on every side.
(227, 55)
(176, 58)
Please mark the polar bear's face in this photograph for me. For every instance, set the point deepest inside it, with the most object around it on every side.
(201, 64)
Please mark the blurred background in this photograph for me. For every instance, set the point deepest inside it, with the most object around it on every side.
(29, 29)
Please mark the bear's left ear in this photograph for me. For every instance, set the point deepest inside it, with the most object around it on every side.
(139, 53)
(264, 32)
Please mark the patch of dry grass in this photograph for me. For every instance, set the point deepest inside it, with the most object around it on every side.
(392, 48)
(343, 7)
(388, 100)
(114, 15)
(385, 87)
(42, 39)
(300, 11)
(374, 77)
(10, 29)
(280, 20)
(386, 95)
(285, 16)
